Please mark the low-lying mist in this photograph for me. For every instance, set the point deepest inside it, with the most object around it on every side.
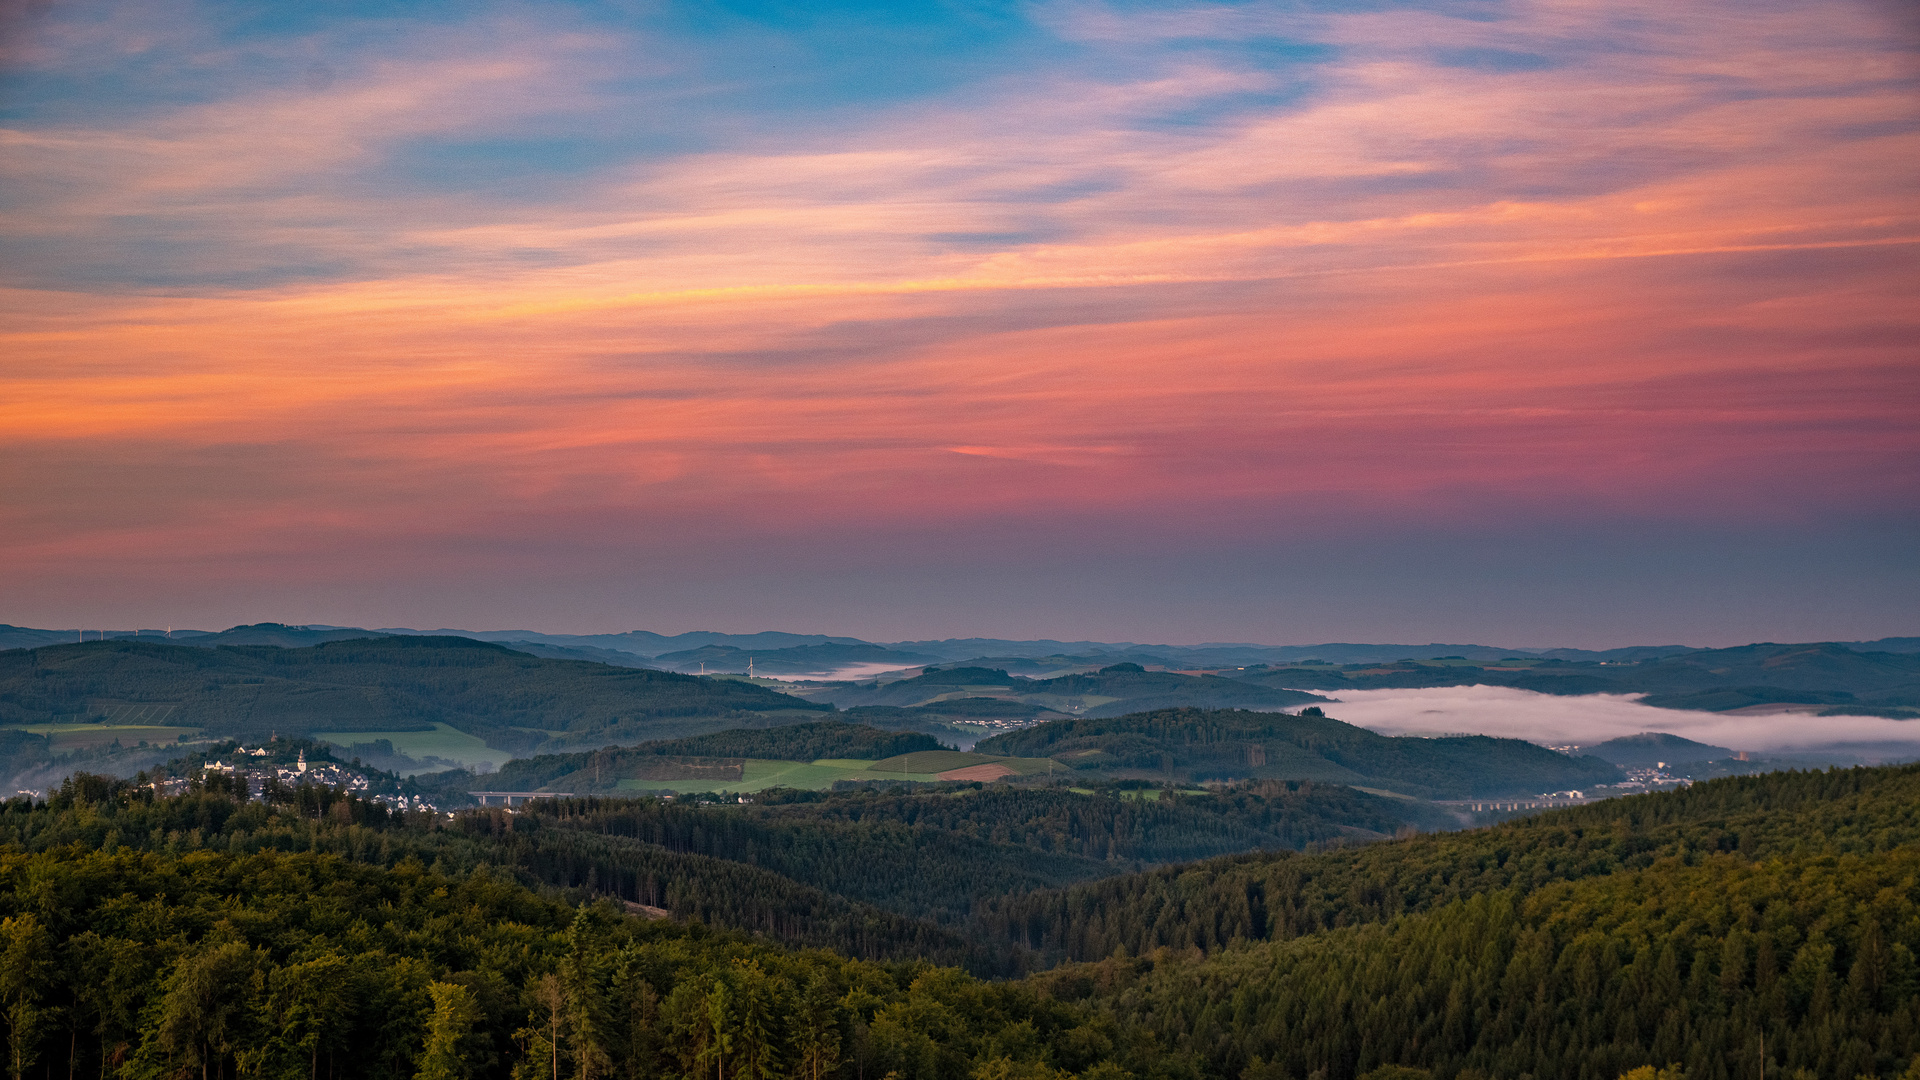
(1594, 718)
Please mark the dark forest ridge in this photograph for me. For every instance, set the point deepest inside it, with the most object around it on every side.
(1676, 928)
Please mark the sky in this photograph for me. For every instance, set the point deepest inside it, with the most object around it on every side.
(1526, 322)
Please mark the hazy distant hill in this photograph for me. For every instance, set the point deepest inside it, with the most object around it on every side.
(646, 645)
(960, 708)
(1119, 688)
(1653, 748)
(287, 637)
(1196, 744)
(1882, 675)
(1888, 644)
(1136, 690)
(815, 659)
(512, 700)
(26, 637)
(969, 648)
(590, 653)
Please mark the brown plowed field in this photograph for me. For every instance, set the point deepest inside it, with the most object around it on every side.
(977, 772)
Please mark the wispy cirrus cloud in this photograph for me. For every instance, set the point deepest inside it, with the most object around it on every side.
(439, 278)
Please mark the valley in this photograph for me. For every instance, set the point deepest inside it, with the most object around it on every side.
(1133, 849)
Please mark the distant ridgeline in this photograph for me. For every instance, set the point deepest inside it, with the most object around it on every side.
(1848, 680)
(93, 705)
(1111, 691)
(1881, 677)
(1759, 920)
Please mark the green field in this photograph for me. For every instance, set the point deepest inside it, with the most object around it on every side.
(759, 775)
(443, 741)
(65, 738)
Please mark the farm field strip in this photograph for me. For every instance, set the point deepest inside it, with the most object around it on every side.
(939, 761)
(925, 766)
(760, 774)
(444, 741)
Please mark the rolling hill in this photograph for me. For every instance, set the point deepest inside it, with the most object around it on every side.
(513, 701)
(1196, 744)
(604, 769)
(1766, 921)
(1111, 691)
(817, 659)
(1654, 748)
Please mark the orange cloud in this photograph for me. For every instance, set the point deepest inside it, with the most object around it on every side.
(1611, 284)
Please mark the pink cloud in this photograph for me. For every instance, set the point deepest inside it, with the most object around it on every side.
(1670, 275)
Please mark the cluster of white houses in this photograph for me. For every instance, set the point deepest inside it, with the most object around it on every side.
(300, 772)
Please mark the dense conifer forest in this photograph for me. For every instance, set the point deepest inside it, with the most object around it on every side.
(1281, 895)
(320, 934)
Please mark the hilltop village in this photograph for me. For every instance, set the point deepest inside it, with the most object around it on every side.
(255, 774)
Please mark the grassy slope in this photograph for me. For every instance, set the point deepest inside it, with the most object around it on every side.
(442, 741)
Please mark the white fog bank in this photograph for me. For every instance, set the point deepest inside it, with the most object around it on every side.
(1593, 718)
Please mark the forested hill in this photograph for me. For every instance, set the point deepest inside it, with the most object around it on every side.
(1282, 895)
(939, 855)
(1715, 967)
(100, 813)
(861, 871)
(1140, 690)
(1772, 915)
(121, 963)
(1208, 744)
(789, 742)
(1115, 689)
(388, 684)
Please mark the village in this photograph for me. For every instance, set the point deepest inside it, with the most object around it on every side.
(257, 775)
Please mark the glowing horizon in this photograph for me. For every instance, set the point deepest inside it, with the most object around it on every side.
(1550, 323)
